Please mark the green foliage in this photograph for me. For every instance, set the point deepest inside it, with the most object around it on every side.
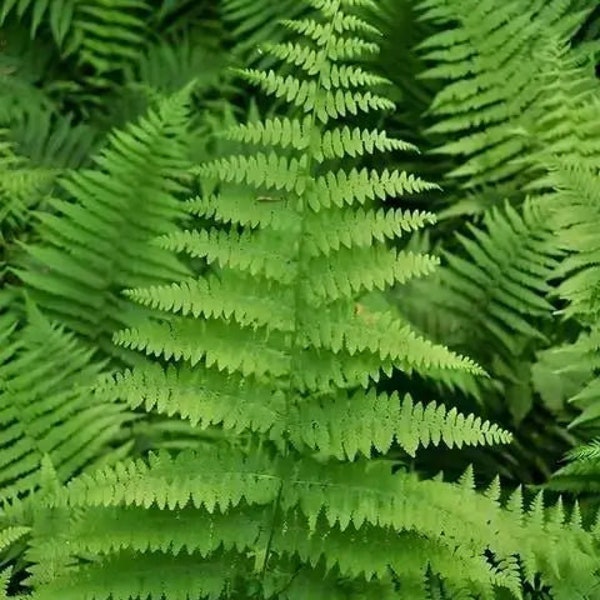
(494, 294)
(38, 395)
(495, 64)
(576, 214)
(277, 339)
(493, 301)
(250, 359)
(489, 301)
(276, 344)
(568, 150)
(256, 23)
(567, 130)
(98, 244)
(105, 35)
(22, 189)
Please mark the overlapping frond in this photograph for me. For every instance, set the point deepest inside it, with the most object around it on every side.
(255, 23)
(491, 300)
(569, 124)
(577, 209)
(47, 407)
(97, 242)
(170, 64)
(564, 157)
(494, 59)
(105, 35)
(22, 187)
(369, 421)
(580, 474)
(356, 520)
(575, 200)
(51, 140)
(497, 290)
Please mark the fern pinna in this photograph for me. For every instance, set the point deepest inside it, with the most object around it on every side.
(276, 347)
(47, 412)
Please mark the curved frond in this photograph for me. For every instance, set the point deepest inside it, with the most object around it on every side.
(47, 407)
(98, 241)
(493, 60)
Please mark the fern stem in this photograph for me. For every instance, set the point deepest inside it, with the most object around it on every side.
(302, 208)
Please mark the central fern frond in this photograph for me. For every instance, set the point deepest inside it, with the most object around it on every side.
(277, 345)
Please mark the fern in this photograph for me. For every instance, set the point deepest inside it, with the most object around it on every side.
(493, 295)
(525, 268)
(401, 62)
(576, 213)
(105, 36)
(97, 243)
(46, 408)
(493, 59)
(581, 473)
(491, 300)
(276, 343)
(568, 130)
(23, 71)
(572, 177)
(255, 23)
(54, 141)
(59, 16)
(575, 202)
(171, 63)
(21, 187)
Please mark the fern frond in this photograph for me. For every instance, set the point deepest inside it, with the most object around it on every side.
(58, 15)
(51, 140)
(334, 228)
(568, 128)
(338, 189)
(257, 254)
(499, 287)
(99, 244)
(104, 35)
(131, 576)
(170, 64)
(10, 535)
(226, 297)
(204, 398)
(260, 352)
(246, 208)
(575, 204)
(46, 407)
(491, 59)
(349, 502)
(255, 23)
(22, 188)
